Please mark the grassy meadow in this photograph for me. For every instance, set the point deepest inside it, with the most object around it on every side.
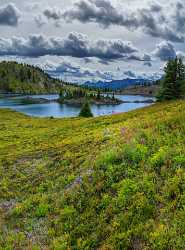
(114, 182)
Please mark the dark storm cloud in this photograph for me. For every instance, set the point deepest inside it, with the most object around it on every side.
(99, 11)
(9, 15)
(75, 45)
(179, 16)
(157, 26)
(52, 13)
(165, 51)
(151, 20)
(155, 7)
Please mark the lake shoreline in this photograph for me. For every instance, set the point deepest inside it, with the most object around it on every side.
(147, 91)
(48, 105)
(79, 101)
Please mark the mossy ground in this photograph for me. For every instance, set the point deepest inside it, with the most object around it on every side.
(115, 182)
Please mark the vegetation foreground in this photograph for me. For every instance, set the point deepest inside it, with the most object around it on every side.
(115, 182)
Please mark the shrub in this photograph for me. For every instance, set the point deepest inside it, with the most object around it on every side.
(158, 158)
(42, 210)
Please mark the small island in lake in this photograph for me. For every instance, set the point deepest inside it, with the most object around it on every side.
(77, 96)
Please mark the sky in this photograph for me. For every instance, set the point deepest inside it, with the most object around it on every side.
(91, 40)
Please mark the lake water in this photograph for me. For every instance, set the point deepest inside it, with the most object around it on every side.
(62, 110)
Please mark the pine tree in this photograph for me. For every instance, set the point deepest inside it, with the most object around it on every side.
(180, 85)
(98, 95)
(61, 94)
(172, 86)
(86, 110)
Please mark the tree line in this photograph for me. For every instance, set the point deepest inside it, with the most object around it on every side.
(67, 93)
(173, 83)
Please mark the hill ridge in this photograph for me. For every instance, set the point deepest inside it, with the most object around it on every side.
(22, 78)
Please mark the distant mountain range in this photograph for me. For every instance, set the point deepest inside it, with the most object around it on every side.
(116, 84)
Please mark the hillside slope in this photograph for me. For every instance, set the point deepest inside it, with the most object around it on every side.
(152, 90)
(115, 182)
(25, 79)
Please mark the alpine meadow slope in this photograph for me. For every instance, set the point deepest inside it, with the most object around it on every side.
(115, 182)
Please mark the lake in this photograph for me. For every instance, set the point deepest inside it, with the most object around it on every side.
(62, 110)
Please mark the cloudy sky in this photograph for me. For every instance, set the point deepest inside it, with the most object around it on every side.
(93, 39)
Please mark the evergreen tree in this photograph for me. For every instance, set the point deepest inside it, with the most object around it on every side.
(29, 74)
(98, 94)
(21, 74)
(172, 86)
(86, 110)
(61, 94)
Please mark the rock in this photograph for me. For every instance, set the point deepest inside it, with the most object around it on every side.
(75, 183)
(7, 205)
(79, 179)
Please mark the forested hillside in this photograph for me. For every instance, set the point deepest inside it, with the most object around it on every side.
(25, 79)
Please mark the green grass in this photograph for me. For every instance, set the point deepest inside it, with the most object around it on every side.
(115, 182)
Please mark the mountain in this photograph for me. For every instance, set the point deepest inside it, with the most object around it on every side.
(116, 84)
(26, 79)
